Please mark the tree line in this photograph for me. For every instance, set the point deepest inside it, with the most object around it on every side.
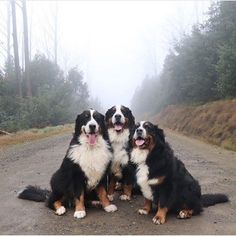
(39, 93)
(200, 68)
(56, 98)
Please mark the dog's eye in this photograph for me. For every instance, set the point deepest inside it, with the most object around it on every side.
(147, 125)
(86, 115)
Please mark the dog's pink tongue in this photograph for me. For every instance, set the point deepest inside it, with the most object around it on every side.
(118, 127)
(139, 142)
(92, 139)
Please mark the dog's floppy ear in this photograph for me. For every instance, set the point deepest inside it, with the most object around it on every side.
(130, 139)
(78, 124)
(131, 117)
(103, 124)
(104, 127)
(160, 134)
(107, 114)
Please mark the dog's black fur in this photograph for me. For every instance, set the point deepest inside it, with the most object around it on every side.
(70, 180)
(179, 190)
(119, 141)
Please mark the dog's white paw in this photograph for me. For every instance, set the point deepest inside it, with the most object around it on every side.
(124, 197)
(96, 203)
(156, 221)
(182, 214)
(142, 212)
(61, 210)
(110, 208)
(79, 214)
(110, 197)
(185, 214)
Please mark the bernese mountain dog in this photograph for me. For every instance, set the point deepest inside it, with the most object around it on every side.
(119, 121)
(83, 172)
(163, 178)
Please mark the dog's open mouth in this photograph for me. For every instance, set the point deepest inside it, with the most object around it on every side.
(91, 138)
(118, 127)
(139, 141)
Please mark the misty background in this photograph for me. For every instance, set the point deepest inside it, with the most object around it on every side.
(58, 58)
(116, 44)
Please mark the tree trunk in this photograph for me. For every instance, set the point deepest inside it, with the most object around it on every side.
(16, 52)
(8, 32)
(26, 47)
(55, 33)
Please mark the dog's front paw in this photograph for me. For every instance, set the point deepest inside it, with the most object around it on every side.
(124, 197)
(143, 211)
(185, 214)
(110, 197)
(60, 211)
(110, 208)
(80, 214)
(158, 220)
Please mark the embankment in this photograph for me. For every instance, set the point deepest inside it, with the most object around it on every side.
(213, 122)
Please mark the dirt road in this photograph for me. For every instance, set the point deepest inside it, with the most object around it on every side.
(33, 163)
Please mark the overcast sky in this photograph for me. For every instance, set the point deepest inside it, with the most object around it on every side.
(115, 43)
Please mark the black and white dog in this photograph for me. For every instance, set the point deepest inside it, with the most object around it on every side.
(119, 121)
(163, 178)
(83, 172)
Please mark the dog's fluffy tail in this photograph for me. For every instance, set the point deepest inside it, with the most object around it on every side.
(212, 199)
(34, 193)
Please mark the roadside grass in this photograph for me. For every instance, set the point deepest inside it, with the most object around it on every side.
(34, 134)
(214, 122)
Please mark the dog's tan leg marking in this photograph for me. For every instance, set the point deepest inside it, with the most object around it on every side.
(127, 191)
(160, 217)
(59, 209)
(79, 207)
(57, 204)
(111, 189)
(102, 195)
(146, 208)
(79, 203)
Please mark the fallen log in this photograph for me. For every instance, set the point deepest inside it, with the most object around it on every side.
(2, 132)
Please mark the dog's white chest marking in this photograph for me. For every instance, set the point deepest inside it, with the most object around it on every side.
(139, 156)
(92, 160)
(121, 158)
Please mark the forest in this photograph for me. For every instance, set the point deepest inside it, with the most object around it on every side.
(38, 92)
(55, 98)
(200, 68)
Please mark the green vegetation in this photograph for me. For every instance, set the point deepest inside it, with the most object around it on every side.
(56, 98)
(200, 68)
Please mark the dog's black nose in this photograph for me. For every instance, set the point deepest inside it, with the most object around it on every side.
(139, 131)
(92, 127)
(118, 117)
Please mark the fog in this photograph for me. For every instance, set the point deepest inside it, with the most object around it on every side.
(115, 43)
